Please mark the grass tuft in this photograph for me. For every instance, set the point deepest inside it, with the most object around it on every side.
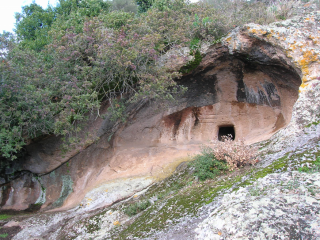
(136, 207)
(4, 216)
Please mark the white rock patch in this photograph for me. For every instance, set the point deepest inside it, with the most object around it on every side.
(286, 206)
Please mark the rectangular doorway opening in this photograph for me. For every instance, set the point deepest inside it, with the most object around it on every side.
(225, 131)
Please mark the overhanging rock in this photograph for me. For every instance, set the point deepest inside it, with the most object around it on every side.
(250, 82)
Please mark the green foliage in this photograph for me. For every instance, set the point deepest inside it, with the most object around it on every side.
(144, 5)
(84, 8)
(317, 163)
(207, 166)
(117, 111)
(191, 65)
(195, 44)
(32, 99)
(125, 6)
(136, 207)
(32, 26)
(165, 5)
(3, 235)
(34, 23)
(4, 216)
(311, 169)
(35, 207)
(67, 59)
(304, 169)
(71, 14)
(117, 19)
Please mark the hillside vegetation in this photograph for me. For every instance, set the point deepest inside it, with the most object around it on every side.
(63, 61)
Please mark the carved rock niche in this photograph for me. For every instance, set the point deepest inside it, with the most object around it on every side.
(249, 98)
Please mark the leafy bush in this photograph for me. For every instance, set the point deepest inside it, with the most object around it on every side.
(125, 6)
(144, 5)
(136, 207)
(32, 26)
(52, 91)
(117, 19)
(207, 165)
(235, 153)
(34, 23)
(222, 156)
(69, 58)
(191, 65)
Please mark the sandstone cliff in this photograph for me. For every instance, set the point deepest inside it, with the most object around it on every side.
(260, 83)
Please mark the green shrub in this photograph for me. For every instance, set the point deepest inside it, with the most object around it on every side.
(236, 153)
(311, 169)
(125, 6)
(3, 235)
(304, 169)
(207, 166)
(65, 60)
(191, 65)
(136, 207)
(317, 163)
(144, 5)
(117, 19)
(4, 216)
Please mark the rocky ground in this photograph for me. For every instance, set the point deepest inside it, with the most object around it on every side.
(260, 202)
(278, 206)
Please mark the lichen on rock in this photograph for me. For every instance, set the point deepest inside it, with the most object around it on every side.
(298, 38)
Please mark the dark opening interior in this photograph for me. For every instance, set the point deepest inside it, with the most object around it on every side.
(226, 130)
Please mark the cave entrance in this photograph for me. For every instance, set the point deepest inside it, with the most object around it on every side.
(226, 130)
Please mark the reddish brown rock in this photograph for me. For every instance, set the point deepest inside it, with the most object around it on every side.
(248, 92)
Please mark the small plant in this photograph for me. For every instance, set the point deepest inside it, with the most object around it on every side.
(93, 224)
(193, 64)
(194, 44)
(317, 165)
(304, 169)
(207, 165)
(137, 207)
(292, 184)
(311, 169)
(224, 155)
(235, 153)
(176, 186)
(118, 111)
(255, 191)
(311, 190)
(3, 235)
(4, 216)
(161, 195)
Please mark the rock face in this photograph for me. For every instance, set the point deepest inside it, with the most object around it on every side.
(253, 100)
(246, 86)
(280, 205)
